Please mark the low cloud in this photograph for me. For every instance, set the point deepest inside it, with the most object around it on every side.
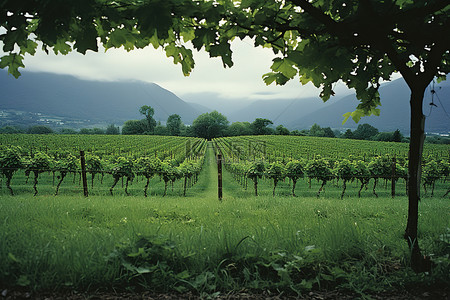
(242, 81)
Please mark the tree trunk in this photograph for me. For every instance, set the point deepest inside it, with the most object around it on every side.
(274, 187)
(116, 180)
(36, 175)
(374, 187)
(418, 262)
(63, 174)
(344, 188)
(321, 188)
(126, 186)
(294, 182)
(8, 184)
(146, 186)
(165, 188)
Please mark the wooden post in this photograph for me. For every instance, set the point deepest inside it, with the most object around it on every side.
(394, 163)
(83, 173)
(219, 175)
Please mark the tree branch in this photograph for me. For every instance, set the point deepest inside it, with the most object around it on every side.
(317, 14)
(434, 61)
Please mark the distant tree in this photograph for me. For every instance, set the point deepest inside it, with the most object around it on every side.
(316, 130)
(365, 132)
(85, 131)
(383, 137)
(187, 131)
(328, 132)
(297, 132)
(148, 112)
(281, 130)
(112, 130)
(11, 130)
(337, 133)
(348, 134)
(40, 129)
(134, 127)
(210, 125)
(397, 136)
(96, 130)
(68, 131)
(239, 128)
(438, 140)
(259, 126)
(92, 131)
(161, 130)
(174, 125)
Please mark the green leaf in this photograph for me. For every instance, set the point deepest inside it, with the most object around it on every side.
(346, 116)
(29, 47)
(188, 35)
(224, 51)
(204, 37)
(279, 78)
(121, 37)
(62, 47)
(155, 17)
(13, 62)
(441, 78)
(12, 257)
(284, 66)
(87, 40)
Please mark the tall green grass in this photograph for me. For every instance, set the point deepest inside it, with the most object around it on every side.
(55, 242)
(198, 243)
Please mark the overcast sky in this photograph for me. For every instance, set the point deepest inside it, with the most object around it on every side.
(243, 81)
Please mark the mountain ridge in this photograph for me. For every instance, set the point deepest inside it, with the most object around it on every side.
(394, 110)
(68, 96)
(116, 102)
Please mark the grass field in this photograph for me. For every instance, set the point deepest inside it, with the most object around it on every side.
(197, 243)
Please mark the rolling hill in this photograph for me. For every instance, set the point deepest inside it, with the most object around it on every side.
(279, 111)
(95, 102)
(67, 96)
(395, 112)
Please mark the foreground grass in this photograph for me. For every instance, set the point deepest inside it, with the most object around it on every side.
(260, 243)
(197, 243)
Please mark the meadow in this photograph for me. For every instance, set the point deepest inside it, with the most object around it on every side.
(197, 243)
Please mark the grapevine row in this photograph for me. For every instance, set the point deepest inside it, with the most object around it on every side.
(184, 161)
(243, 165)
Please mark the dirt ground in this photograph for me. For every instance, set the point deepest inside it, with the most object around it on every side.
(431, 293)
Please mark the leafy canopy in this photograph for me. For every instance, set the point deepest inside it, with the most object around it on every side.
(360, 42)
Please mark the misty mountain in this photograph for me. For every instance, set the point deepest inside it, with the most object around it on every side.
(67, 96)
(395, 112)
(116, 102)
(279, 111)
(213, 101)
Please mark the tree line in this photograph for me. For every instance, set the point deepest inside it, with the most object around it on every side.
(214, 124)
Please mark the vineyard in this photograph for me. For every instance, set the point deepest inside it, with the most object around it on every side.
(125, 159)
(166, 231)
(272, 160)
(278, 158)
